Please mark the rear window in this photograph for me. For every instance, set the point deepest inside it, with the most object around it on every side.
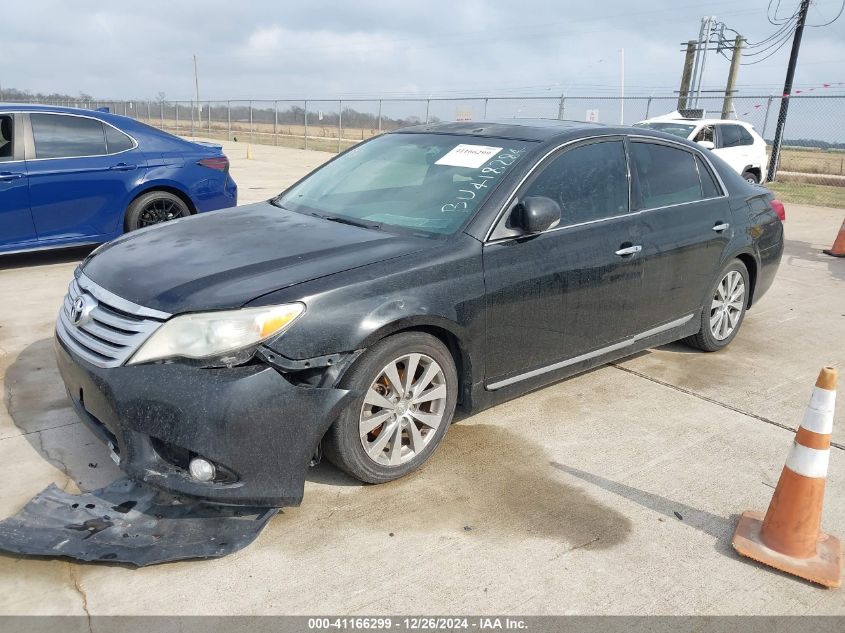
(65, 136)
(708, 183)
(734, 136)
(117, 141)
(677, 129)
(7, 129)
(666, 175)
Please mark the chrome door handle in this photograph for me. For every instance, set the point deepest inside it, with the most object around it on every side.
(9, 176)
(722, 226)
(630, 250)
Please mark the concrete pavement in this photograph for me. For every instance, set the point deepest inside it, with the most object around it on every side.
(614, 492)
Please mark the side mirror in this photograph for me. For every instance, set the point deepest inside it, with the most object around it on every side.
(536, 214)
(706, 144)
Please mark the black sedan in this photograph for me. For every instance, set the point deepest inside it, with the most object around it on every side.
(442, 266)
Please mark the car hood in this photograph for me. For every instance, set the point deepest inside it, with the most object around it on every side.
(227, 258)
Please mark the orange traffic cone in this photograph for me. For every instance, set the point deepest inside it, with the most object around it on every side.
(789, 537)
(838, 248)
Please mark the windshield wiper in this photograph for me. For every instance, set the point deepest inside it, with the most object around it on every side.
(344, 220)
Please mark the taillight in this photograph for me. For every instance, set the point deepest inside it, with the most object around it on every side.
(777, 207)
(220, 163)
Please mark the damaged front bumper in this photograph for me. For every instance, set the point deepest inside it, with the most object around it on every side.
(256, 426)
(128, 522)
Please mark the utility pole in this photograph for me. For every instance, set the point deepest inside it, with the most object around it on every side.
(622, 101)
(727, 104)
(787, 89)
(706, 41)
(686, 77)
(196, 92)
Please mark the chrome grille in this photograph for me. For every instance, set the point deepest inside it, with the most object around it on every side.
(111, 329)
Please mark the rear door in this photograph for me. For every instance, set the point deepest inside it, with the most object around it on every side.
(684, 223)
(735, 146)
(16, 225)
(81, 176)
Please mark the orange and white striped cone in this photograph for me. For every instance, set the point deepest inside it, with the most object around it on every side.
(838, 248)
(789, 537)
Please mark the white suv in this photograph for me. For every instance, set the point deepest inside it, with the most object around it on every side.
(735, 142)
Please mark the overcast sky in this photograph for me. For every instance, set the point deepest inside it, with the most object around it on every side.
(283, 49)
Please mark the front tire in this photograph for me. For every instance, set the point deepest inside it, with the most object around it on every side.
(396, 422)
(724, 310)
(154, 207)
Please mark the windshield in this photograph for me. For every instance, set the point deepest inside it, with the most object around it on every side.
(678, 129)
(431, 183)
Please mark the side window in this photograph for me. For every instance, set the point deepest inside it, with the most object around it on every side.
(666, 175)
(708, 182)
(61, 136)
(704, 134)
(588, 182)
(117, 141)
(730, 135)
(745, 137)
(7, 131)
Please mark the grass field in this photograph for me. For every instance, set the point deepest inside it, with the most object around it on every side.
(804, 193)
(812, 161)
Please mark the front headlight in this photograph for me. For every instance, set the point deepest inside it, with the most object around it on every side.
(215, 334)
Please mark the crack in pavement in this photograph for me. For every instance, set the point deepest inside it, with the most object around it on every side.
(55, 461)
(724, 405)
(78, 587)
(49, 428)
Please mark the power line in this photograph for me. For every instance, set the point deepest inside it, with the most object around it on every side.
(776, 43)
(785, 27)
(783, 43)
(838, 15)
(773, 17)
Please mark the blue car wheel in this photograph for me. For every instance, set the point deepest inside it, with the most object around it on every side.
(155, 207)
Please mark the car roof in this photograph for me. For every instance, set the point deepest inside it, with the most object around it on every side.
(695, 121)
(523, 129)
(111, 117)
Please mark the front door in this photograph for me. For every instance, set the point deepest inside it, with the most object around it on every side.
(16, 226)
(568, 291)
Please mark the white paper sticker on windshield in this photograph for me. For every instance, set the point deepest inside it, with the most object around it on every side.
(468, 156)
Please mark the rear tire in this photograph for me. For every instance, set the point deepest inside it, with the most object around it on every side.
(723, 310)
(391, 429)
(751, 177)
(154, 207)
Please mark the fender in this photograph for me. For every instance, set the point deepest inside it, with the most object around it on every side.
(352, 310)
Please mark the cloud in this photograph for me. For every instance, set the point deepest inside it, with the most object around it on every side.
(378, 48)
(265, 41)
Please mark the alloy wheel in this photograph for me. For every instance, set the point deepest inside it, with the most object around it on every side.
(403, 408)
(727, 306)
(159, 210)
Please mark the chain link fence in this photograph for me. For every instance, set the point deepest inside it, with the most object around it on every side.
(811, 167)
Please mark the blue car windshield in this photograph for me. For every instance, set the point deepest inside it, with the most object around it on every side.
(430, 183)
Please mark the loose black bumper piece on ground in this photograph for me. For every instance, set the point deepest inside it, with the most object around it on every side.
(129, 522)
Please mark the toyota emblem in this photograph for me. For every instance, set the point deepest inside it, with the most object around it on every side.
(80, 311)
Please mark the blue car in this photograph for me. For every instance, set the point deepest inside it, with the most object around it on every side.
(70, 177)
